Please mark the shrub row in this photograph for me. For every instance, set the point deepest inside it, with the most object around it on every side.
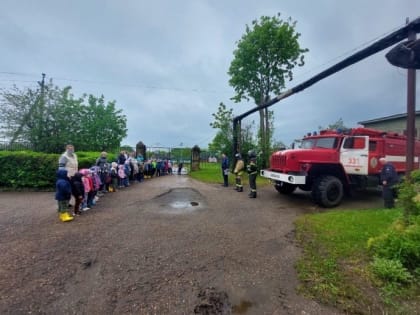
(33, 170)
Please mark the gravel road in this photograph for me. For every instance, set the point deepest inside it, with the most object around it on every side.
(169, 245)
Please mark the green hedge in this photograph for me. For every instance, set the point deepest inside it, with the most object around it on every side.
(33, 170)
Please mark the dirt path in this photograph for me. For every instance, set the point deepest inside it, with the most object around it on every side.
(170, 245)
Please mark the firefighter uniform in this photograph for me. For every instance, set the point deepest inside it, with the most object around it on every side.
(238, 171)
(389, 178)
(252, 173)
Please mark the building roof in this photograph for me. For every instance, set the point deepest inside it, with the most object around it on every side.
(387, 118)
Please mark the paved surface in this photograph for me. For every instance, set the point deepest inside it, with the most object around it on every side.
(170, 245)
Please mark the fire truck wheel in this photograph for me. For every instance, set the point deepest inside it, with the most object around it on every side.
(328, 191)
(285, 188)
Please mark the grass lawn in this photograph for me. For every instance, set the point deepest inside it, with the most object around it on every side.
(334, 268)
(212, 173)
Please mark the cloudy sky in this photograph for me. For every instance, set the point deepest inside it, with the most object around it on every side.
(165, 62)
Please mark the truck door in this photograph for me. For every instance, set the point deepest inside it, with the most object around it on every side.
(354, 154)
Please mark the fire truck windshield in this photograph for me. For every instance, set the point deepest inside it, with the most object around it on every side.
(324, 143)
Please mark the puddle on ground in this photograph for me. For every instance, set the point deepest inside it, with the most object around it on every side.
(179, 201)
(242, 307)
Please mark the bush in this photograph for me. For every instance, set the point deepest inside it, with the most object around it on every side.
(26, 169)
(390, 270)
(401, 242)
(34, 170)
(409, 194)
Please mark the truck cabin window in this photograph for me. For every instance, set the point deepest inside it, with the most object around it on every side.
(323, 143)
(354, 143)
(372, 146)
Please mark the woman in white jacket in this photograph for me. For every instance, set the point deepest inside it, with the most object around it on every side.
(68, 161)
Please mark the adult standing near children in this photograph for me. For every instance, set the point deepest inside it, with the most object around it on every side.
(252, 173)
(238, 171)
(68, 161)
(180, 165)
(225, 169)
(121, 158)
(389, 177)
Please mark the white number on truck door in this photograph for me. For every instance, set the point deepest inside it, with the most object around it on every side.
(354, 154)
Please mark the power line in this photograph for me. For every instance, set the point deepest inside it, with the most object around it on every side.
(118, 83)
(137, 85)
(176, 89)
(12, 80)
(18, 73)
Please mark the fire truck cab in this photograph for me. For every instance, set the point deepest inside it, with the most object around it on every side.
(333, 162)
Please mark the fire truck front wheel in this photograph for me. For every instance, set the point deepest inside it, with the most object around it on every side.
(328, 191)
(285, 188)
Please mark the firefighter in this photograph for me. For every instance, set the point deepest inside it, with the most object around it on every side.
(252, 173)
(389, 178)
(238, 171)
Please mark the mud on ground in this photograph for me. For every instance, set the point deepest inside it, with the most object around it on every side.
(169, 245)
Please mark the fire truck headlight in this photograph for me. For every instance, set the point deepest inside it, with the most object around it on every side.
(304, 167)
(291, 179)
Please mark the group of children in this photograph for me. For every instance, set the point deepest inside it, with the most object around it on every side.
(87, 185)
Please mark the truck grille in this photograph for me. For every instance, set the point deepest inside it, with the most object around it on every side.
(278, 161)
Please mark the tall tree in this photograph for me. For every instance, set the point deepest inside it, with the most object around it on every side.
(222, 142)
(50, 117)
(104, 124)
(263, 60)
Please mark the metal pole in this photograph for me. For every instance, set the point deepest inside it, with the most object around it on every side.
(411, 111)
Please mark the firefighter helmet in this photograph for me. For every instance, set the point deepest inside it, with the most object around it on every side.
(252, 154)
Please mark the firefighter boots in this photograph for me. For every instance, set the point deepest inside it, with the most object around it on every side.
(253, 194)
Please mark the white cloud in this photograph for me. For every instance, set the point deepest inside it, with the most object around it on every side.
(166, 62)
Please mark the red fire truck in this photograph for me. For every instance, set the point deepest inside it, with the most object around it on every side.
(333, 162)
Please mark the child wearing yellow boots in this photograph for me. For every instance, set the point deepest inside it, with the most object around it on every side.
(63, 195)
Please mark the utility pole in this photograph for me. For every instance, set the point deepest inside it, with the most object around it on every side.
(42, 83)
(34, 109)
(39, 112)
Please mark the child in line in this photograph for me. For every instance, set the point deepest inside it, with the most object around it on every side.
(78, 191)
(114, 177)
(127, 171)
(63, 195)
(122, 176)
(96, 181)
(140, 174)
(88, 185)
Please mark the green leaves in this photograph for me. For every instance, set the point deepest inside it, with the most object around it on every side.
(51, 118)
(222, 142)
(264, 58)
